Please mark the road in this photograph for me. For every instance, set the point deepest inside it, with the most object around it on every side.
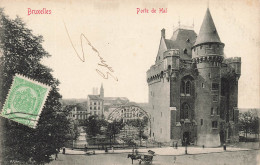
(224, 158)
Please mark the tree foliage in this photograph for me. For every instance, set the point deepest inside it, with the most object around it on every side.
(22, 54)
(93, 126)
(113, 128)
(249, 123)
(140, 125)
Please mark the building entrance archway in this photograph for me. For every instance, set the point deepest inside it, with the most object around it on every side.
(186, 137)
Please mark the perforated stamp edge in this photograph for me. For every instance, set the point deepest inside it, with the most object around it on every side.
(44, 98)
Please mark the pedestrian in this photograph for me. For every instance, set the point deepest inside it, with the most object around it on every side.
(176, 145)
(136, 151)
(63, 150)
(86, 148)
(133, 150)
(224, 147)
(174, 159)
(56, 155)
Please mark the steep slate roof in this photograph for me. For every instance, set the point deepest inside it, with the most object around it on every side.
(208, 31)
(179, 40)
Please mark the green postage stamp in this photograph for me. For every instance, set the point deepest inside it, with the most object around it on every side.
(25, 101)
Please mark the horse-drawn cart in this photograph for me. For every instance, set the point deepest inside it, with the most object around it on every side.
(146, 158)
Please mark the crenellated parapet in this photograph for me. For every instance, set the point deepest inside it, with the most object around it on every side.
(214, 59)
(168, 67)
(155, 73)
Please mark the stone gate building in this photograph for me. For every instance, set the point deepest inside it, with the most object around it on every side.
(193, 88)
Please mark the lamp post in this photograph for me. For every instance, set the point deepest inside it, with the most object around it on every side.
(186, 152)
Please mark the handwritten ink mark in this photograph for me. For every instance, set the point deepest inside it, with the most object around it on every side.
(102, 61)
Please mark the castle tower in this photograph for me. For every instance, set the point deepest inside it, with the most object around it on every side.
(207, 54)
(102, 91)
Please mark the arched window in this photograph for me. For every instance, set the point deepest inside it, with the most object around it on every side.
(185, 51)
(188, 85)
(185, 88)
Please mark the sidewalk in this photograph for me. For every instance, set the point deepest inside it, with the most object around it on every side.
(163, 151)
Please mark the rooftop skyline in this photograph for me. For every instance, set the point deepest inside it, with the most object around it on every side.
(129, 42)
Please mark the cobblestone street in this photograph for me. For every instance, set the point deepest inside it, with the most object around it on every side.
(250, 157)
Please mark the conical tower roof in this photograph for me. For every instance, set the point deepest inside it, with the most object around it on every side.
(208, 31)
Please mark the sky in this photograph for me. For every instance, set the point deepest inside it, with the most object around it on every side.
(128, 42)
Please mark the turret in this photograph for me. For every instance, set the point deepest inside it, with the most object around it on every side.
(101, 91)
(171, 59)
(207, 53)
(208, 42)
(235, 63)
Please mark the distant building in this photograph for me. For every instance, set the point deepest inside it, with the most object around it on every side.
(95, 105)
(193, 88)
(100, 105)
(78, 111)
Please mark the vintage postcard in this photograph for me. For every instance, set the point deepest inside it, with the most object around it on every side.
(129, 82)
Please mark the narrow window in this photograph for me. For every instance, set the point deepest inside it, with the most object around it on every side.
(209, 75)
(202, 85)
(185, 51)
(182, 87)
(161, 130)
(215, 98)
(217, 111)
(212, 111)
(161, 114)
(185, 109)
(201, 121)
(214, 124)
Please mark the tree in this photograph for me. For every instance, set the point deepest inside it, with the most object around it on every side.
(93, 125)
(140, 125)
(22, 53)
(255, 126)
(245, 121)
(113, 128)
(249, 123)
(73, 124)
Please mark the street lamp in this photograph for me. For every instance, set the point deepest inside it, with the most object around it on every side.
(186, 152)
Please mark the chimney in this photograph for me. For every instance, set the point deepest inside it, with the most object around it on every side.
(163, 33)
